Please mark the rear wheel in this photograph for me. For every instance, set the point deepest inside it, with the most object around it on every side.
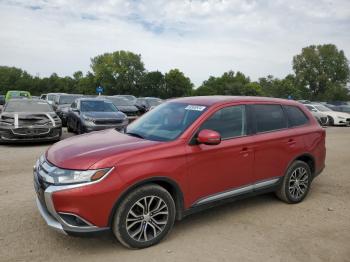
(296, 183)
(144, 217)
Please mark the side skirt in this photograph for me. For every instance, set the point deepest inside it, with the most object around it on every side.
(259, 188)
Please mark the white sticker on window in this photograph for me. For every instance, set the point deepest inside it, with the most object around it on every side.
(195, 108)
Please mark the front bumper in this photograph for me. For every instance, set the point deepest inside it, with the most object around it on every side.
(63, 222)
(91, 128)
(30, 134)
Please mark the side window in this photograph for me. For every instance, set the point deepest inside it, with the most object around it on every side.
(269, 118)
(296, 117)
(74, 105)
(229, 122)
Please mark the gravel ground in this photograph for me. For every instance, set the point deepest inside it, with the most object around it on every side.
(257, 229)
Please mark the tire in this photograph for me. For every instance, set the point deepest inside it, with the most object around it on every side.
(69, 127)
(330, 121)
(293, 192)
(79, 130)
(131, 233)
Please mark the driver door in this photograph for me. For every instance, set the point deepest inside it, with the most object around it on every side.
(219, 171)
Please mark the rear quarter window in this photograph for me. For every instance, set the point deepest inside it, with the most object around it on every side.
(269, 118)
(296, 116)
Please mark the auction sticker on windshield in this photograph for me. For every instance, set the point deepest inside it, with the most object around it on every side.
(195, 108)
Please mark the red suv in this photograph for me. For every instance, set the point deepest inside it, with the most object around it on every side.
(185, 155)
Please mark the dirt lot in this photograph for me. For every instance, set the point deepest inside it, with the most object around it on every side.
(257, 229)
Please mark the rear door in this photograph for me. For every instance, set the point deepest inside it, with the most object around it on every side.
(275, 144)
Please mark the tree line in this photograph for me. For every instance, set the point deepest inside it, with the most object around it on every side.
(321, 72)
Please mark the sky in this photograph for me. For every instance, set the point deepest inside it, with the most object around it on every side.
(201, 38)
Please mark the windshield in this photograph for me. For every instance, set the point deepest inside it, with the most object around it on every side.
(166, 122)
(154, 101)
(119, 101)
(27, 106)
(19, 94)
(97, 106)
(323, 108)
(67, 99)
(345, 109)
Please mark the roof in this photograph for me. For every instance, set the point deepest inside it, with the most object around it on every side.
(211, 100)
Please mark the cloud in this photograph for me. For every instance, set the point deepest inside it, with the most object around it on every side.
(201, 38)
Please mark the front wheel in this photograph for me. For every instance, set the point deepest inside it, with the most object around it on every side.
(144, 217)
(296, 183)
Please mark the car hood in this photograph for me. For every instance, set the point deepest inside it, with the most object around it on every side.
(103, 115)
(25, 119)
(335, 114)
(81, 152)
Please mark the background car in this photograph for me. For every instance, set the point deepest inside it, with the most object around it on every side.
(147, 103)
(320, 117)
(29, 120)
(50, 97)
(132, 99)
(17, 94)
(2, 100)
(61, 105)
(92, 114)
(124, 105)
(334, 118)
(340, 108)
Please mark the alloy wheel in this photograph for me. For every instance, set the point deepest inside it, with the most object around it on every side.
(147, 218)
(298, 183)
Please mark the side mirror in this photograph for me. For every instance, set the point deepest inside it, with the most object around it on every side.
(75, 110)
(208, 137)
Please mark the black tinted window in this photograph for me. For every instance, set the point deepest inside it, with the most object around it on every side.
(269, 117)
(228, 122)
(296, 117)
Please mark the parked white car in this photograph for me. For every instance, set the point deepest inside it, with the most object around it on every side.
(334, 118)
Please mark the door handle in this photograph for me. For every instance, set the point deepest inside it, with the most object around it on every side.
(244, 151)
(291, 142)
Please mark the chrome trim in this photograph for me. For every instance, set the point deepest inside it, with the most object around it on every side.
(51, 222)
(237, 191)
(51, 119)
(82, 219)
(16, 120)
(266, 183)
(32, 128)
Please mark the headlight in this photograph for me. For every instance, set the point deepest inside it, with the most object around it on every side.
(89, 120)
(56, 175)
(65, 176)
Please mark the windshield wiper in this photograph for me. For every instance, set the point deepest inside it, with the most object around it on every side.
(134, 134)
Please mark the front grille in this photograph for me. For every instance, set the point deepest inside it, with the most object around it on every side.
(131, 113)
(30, 131)
(107, 121)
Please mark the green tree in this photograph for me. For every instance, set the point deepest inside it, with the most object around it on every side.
(283, 88)
(230, 83)
(152, 84)
(321, 68)
(118, 72)
(177, 84)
